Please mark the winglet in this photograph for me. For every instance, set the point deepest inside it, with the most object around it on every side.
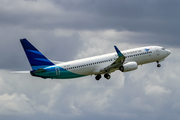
(118, 52)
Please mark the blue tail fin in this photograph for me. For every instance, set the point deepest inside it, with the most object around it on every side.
(36, 58)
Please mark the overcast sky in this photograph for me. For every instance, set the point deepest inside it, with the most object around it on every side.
(65, 30)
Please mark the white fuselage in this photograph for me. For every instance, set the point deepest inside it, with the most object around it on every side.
(94, 65)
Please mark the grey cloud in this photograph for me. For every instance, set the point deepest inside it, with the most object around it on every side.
(130, 15)
(150, 16)
(153, 17)
(84, 98)
(64, 48)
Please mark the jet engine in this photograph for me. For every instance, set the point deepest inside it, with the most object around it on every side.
(128, 67)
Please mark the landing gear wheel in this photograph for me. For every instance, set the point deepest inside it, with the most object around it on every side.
(98, 77)
(158, 65)
(107, 76)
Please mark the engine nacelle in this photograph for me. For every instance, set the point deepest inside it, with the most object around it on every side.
(128, 67)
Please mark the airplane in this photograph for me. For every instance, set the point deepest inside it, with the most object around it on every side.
(124, 61)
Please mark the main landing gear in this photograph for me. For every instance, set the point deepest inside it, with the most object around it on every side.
(158, 65)
(107, 76)
(98, 76)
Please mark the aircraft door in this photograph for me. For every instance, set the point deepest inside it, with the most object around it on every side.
(157, 51)
(57, 70)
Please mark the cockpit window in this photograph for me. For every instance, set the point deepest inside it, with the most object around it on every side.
(163, 48)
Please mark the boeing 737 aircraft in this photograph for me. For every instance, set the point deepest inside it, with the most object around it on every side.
(124, 61)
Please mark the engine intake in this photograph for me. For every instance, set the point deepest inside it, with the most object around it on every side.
(128, 67)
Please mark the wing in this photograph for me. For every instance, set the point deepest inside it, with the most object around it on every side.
(116, 64)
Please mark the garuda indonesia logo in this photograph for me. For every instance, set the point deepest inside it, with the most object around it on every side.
(147, 50)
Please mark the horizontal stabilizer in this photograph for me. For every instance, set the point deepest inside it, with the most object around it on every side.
(40, 70)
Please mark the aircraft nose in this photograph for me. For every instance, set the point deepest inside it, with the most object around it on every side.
(168, 52)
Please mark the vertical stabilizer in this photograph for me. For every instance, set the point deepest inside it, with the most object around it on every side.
(36, 58)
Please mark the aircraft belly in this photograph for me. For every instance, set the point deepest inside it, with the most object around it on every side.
(83, 71)
(68, 75)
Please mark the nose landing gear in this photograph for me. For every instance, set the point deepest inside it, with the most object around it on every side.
(158, 65)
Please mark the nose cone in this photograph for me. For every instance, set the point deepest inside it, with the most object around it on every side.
(168, 51)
